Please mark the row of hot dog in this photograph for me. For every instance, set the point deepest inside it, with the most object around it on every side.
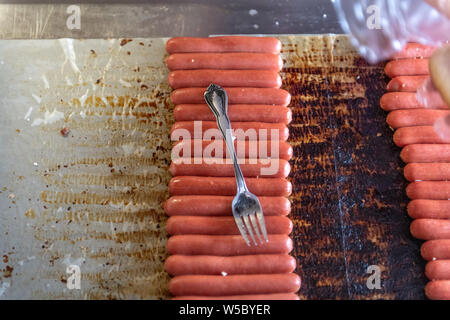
(208, 257)
(428, 162)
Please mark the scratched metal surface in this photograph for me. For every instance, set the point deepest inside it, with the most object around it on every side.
(348, 190)
(38, 19)
(93, 198)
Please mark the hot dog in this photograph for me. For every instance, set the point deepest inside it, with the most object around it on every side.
(407, 100)
(406, 67)
(226, 78)
(258, 168)
(242, 130)
(436, 249)
(272, 96)
(236, 112)
(438, 270)
(221, 225)
(406, 83)
(224, 44)
(415, 50)
(426, 153)
(261, 149)
(221, 206)
(433, 209)
(430, 229)
(229, 245)
(438, 290)
(417, 135)
(427, 171)
(213, 265)
(419, 117)
(272, 296)
(431, 190)
(223, 61)
(211, 285)
(226, 186)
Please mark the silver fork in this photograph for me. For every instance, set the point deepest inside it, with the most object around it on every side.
(246, 208)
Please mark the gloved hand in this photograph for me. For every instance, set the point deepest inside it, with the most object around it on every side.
(439, 65)
(442, 5)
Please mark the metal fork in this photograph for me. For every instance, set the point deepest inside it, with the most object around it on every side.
(246, 208)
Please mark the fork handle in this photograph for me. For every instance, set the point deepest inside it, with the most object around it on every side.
(217, 100)
(223, 122)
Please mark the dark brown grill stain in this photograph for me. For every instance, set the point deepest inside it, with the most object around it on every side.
(349, 203)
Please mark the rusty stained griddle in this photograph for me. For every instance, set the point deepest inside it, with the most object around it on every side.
(349, 199)
(83, 203)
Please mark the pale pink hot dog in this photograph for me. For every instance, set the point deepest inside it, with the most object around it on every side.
(417, 135)
(433, 209)
(226, 186)
(431, 190)
(427, 171)
(224, 61)
(406, 83)
(438, 270)
(236, 113)
(407, 67)
(438, 290)
(430, 229)
(269, 96)
(242, 130)
(204, 285)
(216, 265)
(426, 153)
(221, 206)
(225, 78)
(271, 296)
(224, 44)
(221, 225)
(206, 167)
(418, 117)
(436, 249)
(228, 245)
(415, 50)
(261, 149)
(407, 100)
